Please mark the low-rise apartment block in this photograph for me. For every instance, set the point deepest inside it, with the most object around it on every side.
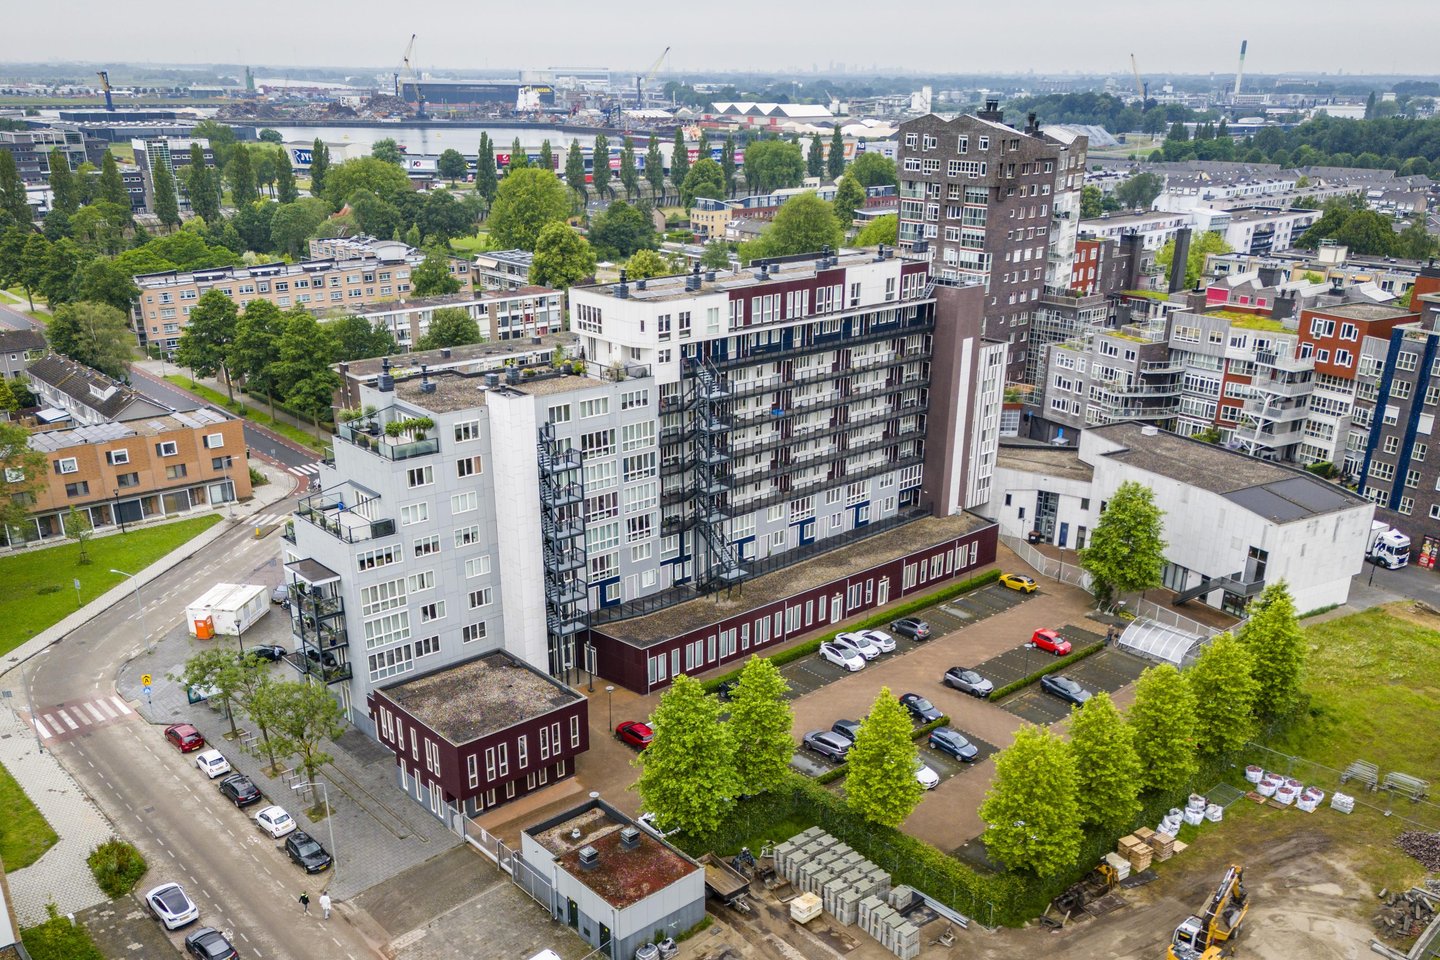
(500, 314)
(73, 392)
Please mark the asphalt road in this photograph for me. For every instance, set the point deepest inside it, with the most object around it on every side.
(159, 801)
(14, 319)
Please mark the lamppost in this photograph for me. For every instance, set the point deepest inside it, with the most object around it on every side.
(329, 822)
(229, 488)
(610, 703)
(135, 584)
(115, 508)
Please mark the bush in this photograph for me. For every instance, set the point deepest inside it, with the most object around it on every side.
(117, 867)
(258, 479)
(1060, 663)
(59, 939)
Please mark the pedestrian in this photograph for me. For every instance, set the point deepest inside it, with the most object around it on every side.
(305, 901)
(325, 904)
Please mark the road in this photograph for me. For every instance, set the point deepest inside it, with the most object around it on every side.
(14, 319)
(156, 797)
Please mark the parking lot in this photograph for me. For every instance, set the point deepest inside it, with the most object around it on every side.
(1108, 670)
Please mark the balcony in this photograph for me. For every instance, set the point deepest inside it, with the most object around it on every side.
(563, 561)
(741, 507)
(825, 403)
(895, 328)
(571, 591)
(762, 385)
(315, 668)
(561, 496)
(390, 435)
(562, 462)
(346, 520)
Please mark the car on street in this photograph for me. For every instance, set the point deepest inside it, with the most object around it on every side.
(269, 652)
(881, 639)
(968, 681)
(635, 733)
(184, 737)
(849, 729)
(952, 741)
(207, 943)
(212, 763)
(281, 595)
(912, 627)
(928, 778)
(1064, 688)
(1050, 642)
(275, 821)
(842, 656)
(858, 642)
(827, 744)
(240, 790)
(1017, 582)
(920, 708)
(171, 906)
(306, 851)
(724, 688)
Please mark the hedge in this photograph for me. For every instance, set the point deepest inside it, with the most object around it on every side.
(830, 776)
(1060, 664)
(803, 650)
(59, 939)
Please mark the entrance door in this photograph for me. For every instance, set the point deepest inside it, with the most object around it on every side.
(882, 597)
(837, 608)
(1064, 539)
(573, 911)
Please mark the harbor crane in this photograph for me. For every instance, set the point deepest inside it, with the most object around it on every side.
(648, 75)
(414, 79)
(105, 87)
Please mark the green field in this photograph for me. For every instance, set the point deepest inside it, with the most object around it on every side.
(24, 833)
(59, 939)
(38, 584)
(475, 244)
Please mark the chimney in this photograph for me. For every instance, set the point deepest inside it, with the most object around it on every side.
(1032, 125)
(425, 385)
(492, 380)
(1182, 257)
(512, 375)
(630, 837)
(992, 111)
(444, 353)
(622, 289)
(692, 282)
(1269, 276)
(709, 276)
(764, 273)
(386, 383)
(589, 858)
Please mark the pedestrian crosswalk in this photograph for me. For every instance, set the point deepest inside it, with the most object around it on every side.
(78, 717)
(269, 519)
(308, 470)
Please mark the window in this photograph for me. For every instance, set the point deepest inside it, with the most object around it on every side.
(638, 528)
(602, 507)
(636, 435)
(116, 457)
(480, 598)
(468, 466)
(167, 448)
(390, 628)
(467, 430)
(419, 476)
(560, 413)
(465, 502)
(380, 597)
(414, 513)
(420, 582)
(221, 463)
(379, 557)
(175, 471)
(473, 632)
(214, 441)
(634, 399)
(601, 443)
(594, 408)
(465, 536)
(122, 480)
(639, 467)
(477, 566)
(79, 489)
(432, 611)
(67, 465)
(426, 546)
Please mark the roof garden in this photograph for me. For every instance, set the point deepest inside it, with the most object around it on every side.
(1248, 321)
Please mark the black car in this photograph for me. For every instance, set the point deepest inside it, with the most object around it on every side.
(207, 943)
(912, 627)
(849, 729)
(1065, 688)
(952, 741)
(306, 851)
(968, 681)
(725, 688)
(920, 708)
(239, 790)
(270, 652)
(828, 744)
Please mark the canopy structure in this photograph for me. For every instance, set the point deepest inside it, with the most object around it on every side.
(1156, 641)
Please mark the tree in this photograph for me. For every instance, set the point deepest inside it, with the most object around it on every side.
(629, 176)
(1368, 232)
(601, 166)
(441, 217)
(204, 346)
(849, 197)
(1200, 247)
(1140, 191)
(302, 371)
(254, 353)
(221, 137)
(27, 466)
(760, 721)
(835, 160)
(702, 145)
(1223, 679)
(773, 165)
(562, 258)
(111, 188)
(13, 200)
(727, 163)
(62, 183)
(214, 670)
(526, 201)
(385, 180)
(167, 205)
(519, 157)
(240, 172)
(1276, 642)
(1091, 198)
(1031, 809)
(359, 339)
(1163, 719)
(62, 269)
(9, 403)
(646, 264)
(34, 262)
(1178, 132)
(486, 176)
(687, 774)
(293, 224)
(305, 716)
(1127, 547)
(254, 691)
(452, 165)
(874, 170)
(285, 189)
(815, 157)
(319, 167)
(252, 221)
(575, 171)
(386, 150)
(264, 162)
(716, 256)
(1415, 242)
(705, 179)
(547, 155)
(1107, 768)
(804, 224)
(201, 187)
(433, 277)
(679, 158)
(78, 528)
(655, 167)
(1370, 106)
(103, 281)
(880, 785)
(449, 327)
(884, 230)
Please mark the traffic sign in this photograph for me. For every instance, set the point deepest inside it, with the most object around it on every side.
(145, 679)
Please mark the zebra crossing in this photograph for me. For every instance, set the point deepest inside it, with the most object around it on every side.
(308, 470)
(268, 519)
(76, 718)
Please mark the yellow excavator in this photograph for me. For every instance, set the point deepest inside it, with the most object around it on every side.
(1205, 937)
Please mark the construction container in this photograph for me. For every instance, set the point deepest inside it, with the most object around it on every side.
(227, 609)
(805, 908)
(1254, 774)
(1194, 817)
(1214, 813)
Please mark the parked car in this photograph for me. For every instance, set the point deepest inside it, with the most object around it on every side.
(270, 652)
(827, 744)
(240, 790)
(881, 639)
(306, 851)
(928, 778)
(968, 681)
(859, 643)
(1016, 582)
(647, 820)
(849, 729)
(275, 821)
(635, 733)
(172, 906)
(1064, 688)
(920, 708)
(184, 737)
(912, 627)
(952, 741)
(207, 943)
(842, 656)
(724, 688)
(212, 763)
(1050, 642)
(281, 595)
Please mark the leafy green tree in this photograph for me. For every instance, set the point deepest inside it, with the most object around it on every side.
(1107, 768)
(302, 372)
(62, 182)
(111, 187)
(167, 204)
(547, 155)
(760, 722)
(452, 165)
(13, 200)
(201, 187)
(1369, 233)
(1200, 247)
(204, 346)
(9, 403)
(221, 137)
(433, 277)
(385, 180)
(1223, 679)
(319, 167)
(1275, 640)
(441, 217)
(629, 176)
(254, 352)
(727, 163)
(655, 168)
(620, 230)
(601, 167)
(575, 171)
(34, 264)
(645, 264)
(305, 716)
(449, 327)
(1178, 132)
(804, 224)
(285, 189)
(702, 146)
(55, 225)
(716, 256)
(260, 697)
(1032, 808)
(874, 170)
(101, 226)
(214, 669)
(240, 172)
(486, 176)
(1163, 719)
(815, 157)
(519, 157)
(375, 216)
(78, 528)
(1140, 191)
(687, 774)
(1415, 242)
(271, 136)
(264, 163)
(1091, 198)
(252, 221)
(359, 339)
(706, 178)
(526, 201)
(884, 230)
(679, 158)
(103, 281)
(773, 165)
(1127, 547)
(880, 784)
(386, 150)
(835, 161)
(849, 197)
(63, 263)
(293, 224)
(27, 467)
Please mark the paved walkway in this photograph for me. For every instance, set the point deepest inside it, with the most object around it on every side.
(61, 876)
(161, 369)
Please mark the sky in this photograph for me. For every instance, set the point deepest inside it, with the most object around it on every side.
(938, 36)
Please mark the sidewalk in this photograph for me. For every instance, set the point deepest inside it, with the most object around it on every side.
(160, 369)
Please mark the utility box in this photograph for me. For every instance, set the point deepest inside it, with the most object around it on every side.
(227, 608)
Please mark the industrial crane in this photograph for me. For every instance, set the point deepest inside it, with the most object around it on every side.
(1139, 87)
(646, 76)
(1201, 938)
(414, 79)
(104, 76)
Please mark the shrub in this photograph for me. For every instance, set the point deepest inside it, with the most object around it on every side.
(59, 939)
(1060, 663)
(117, 867)
(258, 479)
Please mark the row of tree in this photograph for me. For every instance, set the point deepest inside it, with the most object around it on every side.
(1406, 145)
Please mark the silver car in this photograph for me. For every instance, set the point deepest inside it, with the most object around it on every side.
(171, 906)
(968, 681)
(842, 656)
(860, 643)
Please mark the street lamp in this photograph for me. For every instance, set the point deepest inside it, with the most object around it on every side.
(229, 488)
(329, 822)
(135, 584)
(115, 508)
(610, 703)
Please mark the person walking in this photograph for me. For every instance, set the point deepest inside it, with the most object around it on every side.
(305, 901)
(325, 904)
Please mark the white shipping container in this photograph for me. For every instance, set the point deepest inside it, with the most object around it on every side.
(228, 608)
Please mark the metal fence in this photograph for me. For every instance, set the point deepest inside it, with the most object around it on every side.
(1392, 807)
(526, 877)
(1049, 566)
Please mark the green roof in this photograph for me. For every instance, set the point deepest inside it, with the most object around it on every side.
(1146, 294)
(1248, 321)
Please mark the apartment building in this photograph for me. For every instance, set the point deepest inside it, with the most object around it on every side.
(31, 150)
(1108, 375)
(503, 269)
(70, 391)
(170, 155)
(127, 472)
(1377, 278)
(471, 358)
(19, 349)
(520, 314)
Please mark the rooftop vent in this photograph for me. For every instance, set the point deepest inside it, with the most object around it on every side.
(709, 276)
(692, 282)
(764, 273)
(575, 833)
(630, 837)
(512, 374)
(444, 353)
(492, 380)
(425, 385)
(589, 858)
(642, 284)
(1149, 431)
(386, 383)
(622, 289)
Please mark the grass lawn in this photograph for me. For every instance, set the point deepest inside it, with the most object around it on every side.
(474, 244)
(250, 412)
(24, 833)
(59, 939)
(38, 589)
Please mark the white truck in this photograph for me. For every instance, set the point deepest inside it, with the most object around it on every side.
(1388, 547)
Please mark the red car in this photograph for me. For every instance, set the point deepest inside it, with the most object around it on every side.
(635, 733)
(185, 737)
(1050, 642)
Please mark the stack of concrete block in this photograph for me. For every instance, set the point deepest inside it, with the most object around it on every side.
(885, 924)
(847, 906)
(786, 850)
(796, 854)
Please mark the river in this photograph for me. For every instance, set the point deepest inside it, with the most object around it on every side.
(433, 139)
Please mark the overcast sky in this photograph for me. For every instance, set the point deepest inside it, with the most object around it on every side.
(961, 36)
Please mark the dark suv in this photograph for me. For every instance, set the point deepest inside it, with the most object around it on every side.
(912, 627)
(849, 729)
(306, 851)
(240, 790)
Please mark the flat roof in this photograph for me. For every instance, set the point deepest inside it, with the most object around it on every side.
(674, 287)
(788, 581)
(112, 430)
(1037, 458)
(446, 300)
(1363, 311)
(478, 697)
(621, 877)
(459, 355)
